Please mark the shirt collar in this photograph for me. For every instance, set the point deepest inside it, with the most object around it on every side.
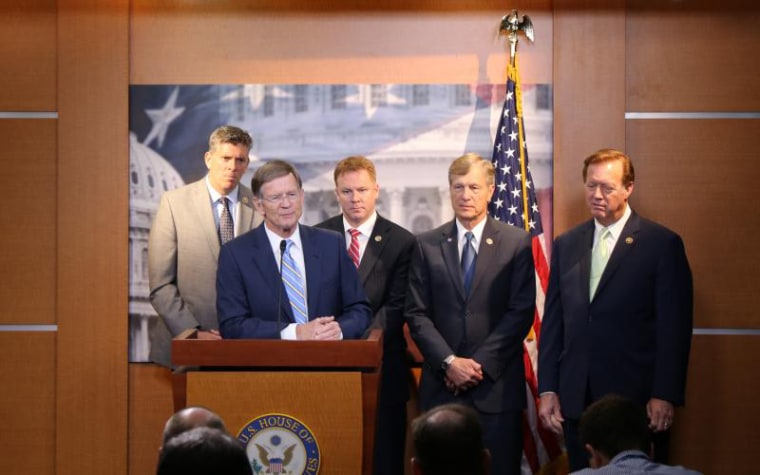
(477, 232)
(215, 195)
(616, 228)
(275, 239)
(629, 454)
(366, 227)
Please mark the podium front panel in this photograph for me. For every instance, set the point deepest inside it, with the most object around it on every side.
(329, 404)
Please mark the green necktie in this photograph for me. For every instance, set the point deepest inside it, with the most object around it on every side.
(599, 257)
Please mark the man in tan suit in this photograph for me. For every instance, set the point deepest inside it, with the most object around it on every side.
(190, 226)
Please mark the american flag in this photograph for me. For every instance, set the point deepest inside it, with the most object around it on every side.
(514, 202)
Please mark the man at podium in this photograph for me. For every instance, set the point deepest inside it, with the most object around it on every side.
(286, 280)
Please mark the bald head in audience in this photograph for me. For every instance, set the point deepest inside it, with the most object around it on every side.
(448, 440)
(190, 418)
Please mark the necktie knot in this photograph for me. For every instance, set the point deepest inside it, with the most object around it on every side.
(603, 244)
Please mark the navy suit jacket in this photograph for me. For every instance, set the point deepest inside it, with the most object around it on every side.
(488, 326)
(384, 273)
(249, 286)
(634, 338)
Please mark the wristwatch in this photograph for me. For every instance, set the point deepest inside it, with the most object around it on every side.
(447, 362)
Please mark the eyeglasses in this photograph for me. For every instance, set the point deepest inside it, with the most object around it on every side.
(291, 196)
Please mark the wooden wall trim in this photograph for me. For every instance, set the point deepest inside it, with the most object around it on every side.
(91, 385)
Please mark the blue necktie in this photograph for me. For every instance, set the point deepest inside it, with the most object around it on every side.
(468, 261)
(291, 277)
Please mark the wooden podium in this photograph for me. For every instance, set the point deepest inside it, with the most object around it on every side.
(331, 387)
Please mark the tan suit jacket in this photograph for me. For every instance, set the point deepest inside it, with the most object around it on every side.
(182, 258)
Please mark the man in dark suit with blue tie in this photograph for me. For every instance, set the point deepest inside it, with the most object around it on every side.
(381, 250)
(618, 313)
(471, 300)
(319, 296)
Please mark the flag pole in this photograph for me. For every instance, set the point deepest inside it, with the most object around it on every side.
(515, 202)
(511, 25)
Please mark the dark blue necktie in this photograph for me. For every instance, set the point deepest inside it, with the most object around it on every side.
(468, 261)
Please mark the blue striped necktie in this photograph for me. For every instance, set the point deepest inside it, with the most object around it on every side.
(291, 277)
(468, 261)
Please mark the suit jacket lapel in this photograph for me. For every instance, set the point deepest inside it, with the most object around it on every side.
(587, 239)
(374, 249)
(205, 214)
(312, 264)
(489, 243)
(623, 247)
(450, 253)
(244, 218)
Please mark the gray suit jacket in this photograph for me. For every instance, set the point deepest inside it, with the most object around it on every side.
(182, 257)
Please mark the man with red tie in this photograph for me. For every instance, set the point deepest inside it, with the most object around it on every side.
(381, 251)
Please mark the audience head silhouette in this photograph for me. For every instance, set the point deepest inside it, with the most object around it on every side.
(448, 440)
(190, 418)
(203, 451)
(611, 425)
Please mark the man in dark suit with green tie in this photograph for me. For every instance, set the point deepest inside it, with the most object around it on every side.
(618, 313)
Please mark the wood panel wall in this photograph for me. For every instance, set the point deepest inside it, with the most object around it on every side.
(27, 402)
(28, 184)
(28, 162)
(92, 238)
(696, 173)
(589, 100)
(76, 408)
(28, 39)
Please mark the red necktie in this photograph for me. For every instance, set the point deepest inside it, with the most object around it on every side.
(353, 249)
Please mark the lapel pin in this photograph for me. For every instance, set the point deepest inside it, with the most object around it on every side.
(448, 239)
(245, 199)
(489, 241)
(629, 240)
(378, 238)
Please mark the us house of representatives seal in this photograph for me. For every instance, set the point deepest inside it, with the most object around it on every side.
(280, 444)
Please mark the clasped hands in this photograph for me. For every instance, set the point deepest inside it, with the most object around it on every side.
(463, 374)
(321, 328)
